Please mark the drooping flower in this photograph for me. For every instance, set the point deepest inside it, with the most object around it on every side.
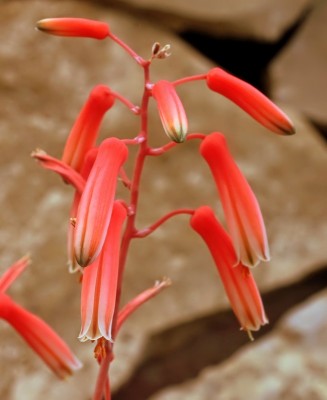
(171, 110)
(250, 100)
(241, 208)
(85, 130)
(237, 279)
(95, 206)
(74, 27)
(38, 335)
(99, 285)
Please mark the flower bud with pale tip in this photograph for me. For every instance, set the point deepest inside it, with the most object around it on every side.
(250, 100)
(171, 111)
(74, 27)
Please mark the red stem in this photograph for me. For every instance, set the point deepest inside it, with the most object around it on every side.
(190, 79)
(130, 51)
(130, 229)
(147, 231)
(102, 384)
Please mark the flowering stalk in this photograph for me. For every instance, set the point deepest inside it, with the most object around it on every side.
(103, 226)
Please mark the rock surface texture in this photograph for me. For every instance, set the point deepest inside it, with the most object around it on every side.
(298, 74)
(258, 19)
(288, 363)
(44, 82)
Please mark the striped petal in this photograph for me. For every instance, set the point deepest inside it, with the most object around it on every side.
(171, 111)
(242, 211)
(95, 207)
(99, 285)
(250, 100)
(238, 281)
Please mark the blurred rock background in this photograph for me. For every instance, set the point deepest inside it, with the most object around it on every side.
(185, 344)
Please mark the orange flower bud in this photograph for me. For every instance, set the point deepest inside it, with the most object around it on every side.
(250, 100)
(74, 27)
(83, 135)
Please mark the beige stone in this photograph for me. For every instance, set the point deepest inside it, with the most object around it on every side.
(43, 83)
(298, 74)
(289, 363)
(257, 19)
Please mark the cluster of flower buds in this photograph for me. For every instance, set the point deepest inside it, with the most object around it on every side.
(101, 225)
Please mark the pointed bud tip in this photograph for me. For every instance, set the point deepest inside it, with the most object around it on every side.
(74, 27)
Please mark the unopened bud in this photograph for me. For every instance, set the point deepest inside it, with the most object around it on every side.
(74, 27)
(171, 110)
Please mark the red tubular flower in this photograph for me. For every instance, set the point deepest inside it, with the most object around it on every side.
(95, 207)
(85, 171)
(99, 285)
(39, 336)
(242, 211)
(86, 127)
(251, 100)
(237, 279)
(171, 111)
(75, 27)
